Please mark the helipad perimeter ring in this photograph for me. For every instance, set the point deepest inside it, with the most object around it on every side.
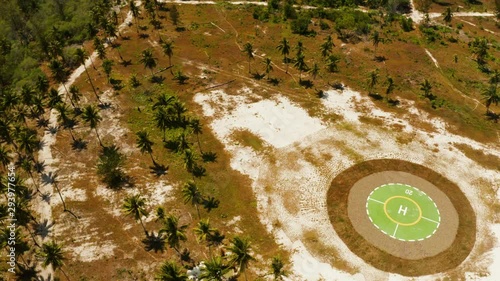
(455, 252)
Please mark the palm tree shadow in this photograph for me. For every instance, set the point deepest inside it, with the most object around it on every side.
(46, 197)
(39, 166)
(158, 169)
(79, 144)
(48, 178)
(28, 271)
(41, 144)
(43, 228)
(42, 122)
(491, 116)
(104, 105)
(154, 242)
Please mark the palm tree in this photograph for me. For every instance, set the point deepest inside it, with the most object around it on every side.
(26, 141)
(107, 66)
(248, 50)
(314, 70)
(332, 63)
(170, 271)
(145, 144)
(53, 255)
(426, 87)
(269, 67)
(277, 270)
(91, 116)
(5, 157)
(390, 87)
(490, 96)
(135, 13)
(74, 93)
(215, 269)
(162, 121)
(59, 74)
(135, 206)
(300, 64)
(495, 78)
(99, 47)
(175, 233)
(479, 47)
(189, 158)
(203, 231)
(373, 80)
(299, 48)
(168, 51)
(240, 254)
(80, 54)
(447, 15)
(191, 194)
(284, 48)
(375, 41)
(148, 60)
(163, 100)
(196, 127)
(326, 47)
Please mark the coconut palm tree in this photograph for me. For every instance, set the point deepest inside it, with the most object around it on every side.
(490, 96)
(373, 80)
(277, 268)
(203, 230)
(163, 100)
(107, 66)
(148, 59)
(99, 47)
(195, 125)
(162, 120)
(135, 206)
(390, 87)
(248, 50)
(170, 271)
(145, 144)
(300, 64)
(53, 255)
(5, 157)
(189, 158)
(81, 56)
(240, 254)
(74, 93)
(375, 41)
(191, 194)
(426, 87)
(59, 74)
(447, 15)
(314, 70)
(135, 13)
(175, 233)
(284, 48)
(268, 65)
(495, 78)
(168, 51)
(299, 49)
(91, 116)
(26, 140)
(332, 63)
(215, 269)
(327, 46)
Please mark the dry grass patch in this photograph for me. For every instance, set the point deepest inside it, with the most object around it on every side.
(249, 139)
(486, 160)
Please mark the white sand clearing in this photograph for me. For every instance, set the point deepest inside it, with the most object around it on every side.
(306, 162)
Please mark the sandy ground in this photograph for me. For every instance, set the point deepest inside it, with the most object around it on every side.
(291, 180)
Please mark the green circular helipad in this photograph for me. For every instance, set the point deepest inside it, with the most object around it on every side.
(403, 212)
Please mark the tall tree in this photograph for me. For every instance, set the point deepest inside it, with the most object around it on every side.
(215, 269)
(248, 50)
(376, 39)
(148, 59)
(268, 66)
(277, 268)
(59, 74)
(168, 48)
(332, 63)
(327, 46)
(174, 15)
(284, 48)
(390, 87)
(447, 15)
(314, 70)
(145, 144)
(191, 194)
(53, 255)
(175, 233)
(373, 80)
(300, 64)
(100, 49)
(490, 96)
(203, 231)
(170, 271)
(81, 56)
(91, 116)
(240, 254)
(426, 87)
(135, 207)
(107, 66)
(135, 13)
(196, 127)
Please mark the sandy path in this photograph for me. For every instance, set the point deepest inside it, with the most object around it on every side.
(46, 156)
